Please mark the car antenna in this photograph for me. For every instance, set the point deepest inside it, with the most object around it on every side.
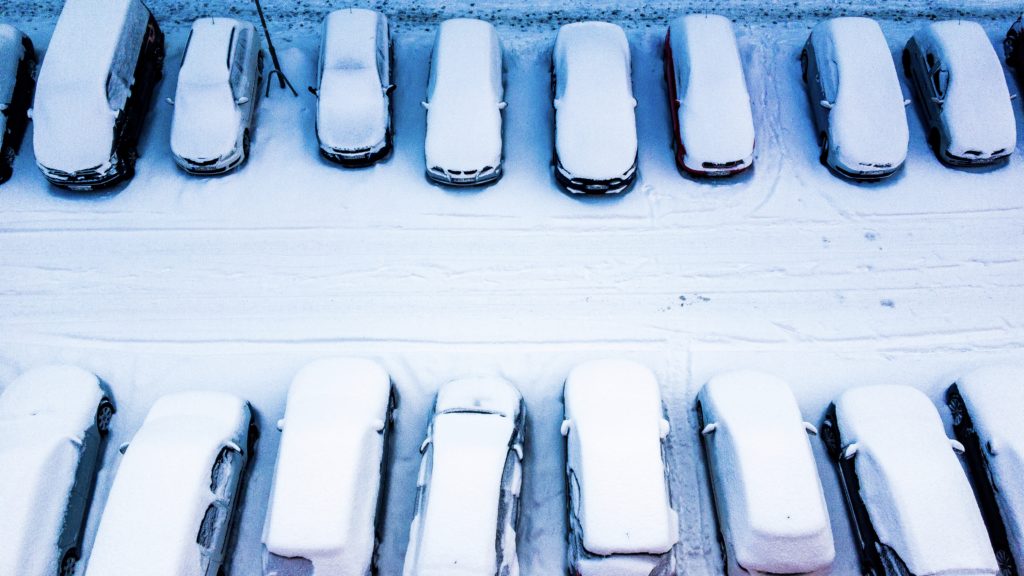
(282, 80)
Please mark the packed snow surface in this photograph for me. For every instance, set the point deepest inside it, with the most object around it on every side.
(162, 489)
(471, 436)
(206, 121)
(715, 121)
(595, 121)
(44, 414)
(770, 497)
(915, 490)
(463, 97)
(994, 397)
(614, 410)
(352, 109)
(324, 500)
(11, 51)
(868, 121)
(73, 123)
(976, 107)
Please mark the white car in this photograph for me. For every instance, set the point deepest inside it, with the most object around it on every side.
(465, 99)
(621, 519)
(911, 506)
(172, 507)
(856, 99)
(94, 90)
(713, 126)
(771, 510)
(595, 112)
(468, 489)
(17, 84)
(354, 86)
(986, 405)
(215, 102)
(960, 86)
(53, 424)
(326, 505)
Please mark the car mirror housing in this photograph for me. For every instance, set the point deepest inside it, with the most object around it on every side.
(242, 101)
(709, 429)
(958, 447)
(906, 102)
(389, 89)
(810, 429)
(313, 91)
(665, 427)
(170, 101)
(850, 451)
(825, 104)
(938, 101)
(502, 105)
(123, 448)
(425, 104)
(566, 425)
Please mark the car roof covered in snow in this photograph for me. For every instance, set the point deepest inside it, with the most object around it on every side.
(162, 488)
(324, 496)
(351, 108)
(776, 511)
(994, 397)
(715, 120)
(977, 108)
(594, 107)
(207, 122)
(73, 124)
(868, 120)
(471, 433)
(44, 414)
(915, 490)
(464, 92)
(614, 409)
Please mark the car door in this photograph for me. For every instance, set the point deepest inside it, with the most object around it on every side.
(933, 85)
(216, 525)
(241, 83)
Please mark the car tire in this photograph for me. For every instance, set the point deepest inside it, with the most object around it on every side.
(830, 437)
(1005, 561)
(246, 143)
(906, 63)
(956, 407)
(104, 414)
(935, 143)
(68, 563)
(823, 157)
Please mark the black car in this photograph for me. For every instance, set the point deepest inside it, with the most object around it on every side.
(95, 88)
(17, 84)
(1012, 48)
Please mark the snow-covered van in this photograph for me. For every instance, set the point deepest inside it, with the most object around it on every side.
(856, 100)
(621, 519)
(17, 83)
(216, 96)
(595, 112)
(95, 85)
(173, 504)
(354, 86)
(987, 405)
(910, 504)
(465, 99)
(961, 89)
(53, 425)
(326, 505)
(468, 489)
(768, 499)
(713, 126)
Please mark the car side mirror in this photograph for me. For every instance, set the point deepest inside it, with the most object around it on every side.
(242, 101)
(634, 102)
(3, 107)
(502, 105)
(678, 103)
(906, 102)
(389, 89)
(1013, 96)
(566, 425)
(664, 428)
(810, 429)
(850, 451)
(426, 442)
(555, 103)
(825, 104)
(518, 449)
(958, 447)
(313, 91)
(170, 101)
(123, 448)
(709, 429)
(425, 104)
(378, 426)
(29, 113)
(938, 101)
(280, 424)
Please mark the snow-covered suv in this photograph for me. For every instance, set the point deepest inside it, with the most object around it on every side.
(468, 489)
(215, 101)
(17, 84)
(621, 519)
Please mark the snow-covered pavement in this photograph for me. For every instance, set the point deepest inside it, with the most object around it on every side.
(234, 283)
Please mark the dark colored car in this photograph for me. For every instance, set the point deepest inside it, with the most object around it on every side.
(95, 87)
(17, 84)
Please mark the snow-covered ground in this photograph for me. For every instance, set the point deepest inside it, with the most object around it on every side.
(234, 283)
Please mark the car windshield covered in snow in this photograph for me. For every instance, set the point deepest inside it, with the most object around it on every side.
(868, 119)
(771, 504)
(328, 478)
(595, 120)
(916, 493)
(85, 81)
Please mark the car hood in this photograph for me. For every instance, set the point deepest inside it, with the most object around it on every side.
(72, 130)
(596, 138)
(206, 123)
(463, 133)
(717, 128)
(352, 111)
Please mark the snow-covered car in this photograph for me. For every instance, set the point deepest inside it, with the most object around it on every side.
(768, 499)
(326, 506)
(465, 99)
(173, 504)
(53, 423)
(595, 112)
(216, 96)
(856, 99)
(986, 405)
(621, 519)
(94, 90)
(713, 127)
(959, 84)
(17, 84)
(354, 86)
(468, 489)
(909, 501)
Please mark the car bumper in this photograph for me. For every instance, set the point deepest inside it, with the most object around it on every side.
(453, 179)
(221, 165)
(709, 170)
(865, 173)
(578, 185)
(968, 161)
(357, 158)
(85, 180)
